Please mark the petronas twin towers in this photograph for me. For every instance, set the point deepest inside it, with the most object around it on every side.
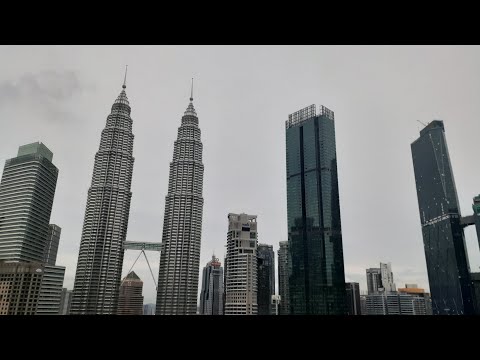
(100, 258)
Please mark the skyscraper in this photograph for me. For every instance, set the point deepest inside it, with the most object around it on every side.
(211, 295)
(387, 277)
(51, 247)
(26, 198)
(443, 237)
(50, 296)
(130, 299)
(182, 224)
(283, 271)
(100, 259)
(317, 280)
(65, 302)
(353, 299)
(265, 278)
(241, 265)
(374, 280)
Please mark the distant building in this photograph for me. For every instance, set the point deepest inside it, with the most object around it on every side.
(275, 305)
(374, 280)
(211, 295)
(65, 301)
(51, 247)
(149, 309)
(395, 304)
(353, 298)
(363, 304)
(387, 277)
(241, 265)
(50, 295)
(130, 301)
(20, 285)
(380, 280)
(265, 278)
(283, 273)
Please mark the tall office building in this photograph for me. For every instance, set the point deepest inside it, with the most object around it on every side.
(283, 273)
(26, 198)
(51, 247)
(241, 265)
(149, 309)
(395, 304)
(211, 295)
(353, 298)
(414, 290)
(100, 259)
(182, 224)
(387, 277)
(317, 280)
(443, 237)
(65, 302)
(374, 281)
(363, 304)
(265, 278)
(50, 296)
(130, 298)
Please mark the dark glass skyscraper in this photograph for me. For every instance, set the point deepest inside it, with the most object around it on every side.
(443, 237)
(317, 280)
(100, 259)
(284, 268)
(211, 296)
(265, 278)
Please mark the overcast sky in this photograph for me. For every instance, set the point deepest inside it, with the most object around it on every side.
(62, 95)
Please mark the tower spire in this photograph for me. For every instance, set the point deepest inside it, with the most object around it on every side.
(191, 93)
(125, 78)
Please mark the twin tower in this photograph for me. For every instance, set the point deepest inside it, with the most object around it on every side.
(104, 233)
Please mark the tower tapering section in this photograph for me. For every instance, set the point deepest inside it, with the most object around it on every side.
(182, 224)
(100, 258)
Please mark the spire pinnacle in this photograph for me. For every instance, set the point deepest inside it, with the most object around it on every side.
(125, 79)
(191, 94)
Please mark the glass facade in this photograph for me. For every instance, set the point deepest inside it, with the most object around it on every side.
(265, 278)
(443, 237)
(317, 281)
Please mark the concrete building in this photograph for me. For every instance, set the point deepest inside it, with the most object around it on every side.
(27, 190)
(283, 273)
(241, 265)
(130, 298)
(395, 304)
(20, 285)
(353, 298)
(265, 278)
(275, 305)
(182, 225)
(65, 301)
(51, 247)
(100, 259)
(212, 293)
(313, 211)
(413, 289)
(380, 280)
(363, 304)
(388, 284)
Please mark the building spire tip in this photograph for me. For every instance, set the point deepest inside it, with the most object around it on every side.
(125, 78)
(191, 93)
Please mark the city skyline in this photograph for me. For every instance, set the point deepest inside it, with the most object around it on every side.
(373, 104)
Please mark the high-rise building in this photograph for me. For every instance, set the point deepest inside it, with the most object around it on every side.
(276, 301)
(374, 280)
(476, 216)
(283, 273)
(51, 247)
(149, 309)
(353, 298)
(414, 290)
(100, 259)
(363, 304)
(182, 224)
(265, 278)
(443, 237)
(395, 304)
(476, 288)
(130, 298)
(65, 302)
(20, 285)
(317, 280)
(50, 296)
(211, 295)
(26, 198)
(387, 278)
(241, 265)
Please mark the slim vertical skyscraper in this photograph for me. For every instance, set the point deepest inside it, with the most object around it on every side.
(241, 265)
(211, 295)
(317, 280)
(443, 237)
(353, 298)
(387, 278)
(182, 224)
(51, 247)
(100, 259)
(374, 281)
(283, 271)
(27, 190)
(265, 278)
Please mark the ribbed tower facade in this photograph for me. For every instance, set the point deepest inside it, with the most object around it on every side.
(182, 224)
(100, 258)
